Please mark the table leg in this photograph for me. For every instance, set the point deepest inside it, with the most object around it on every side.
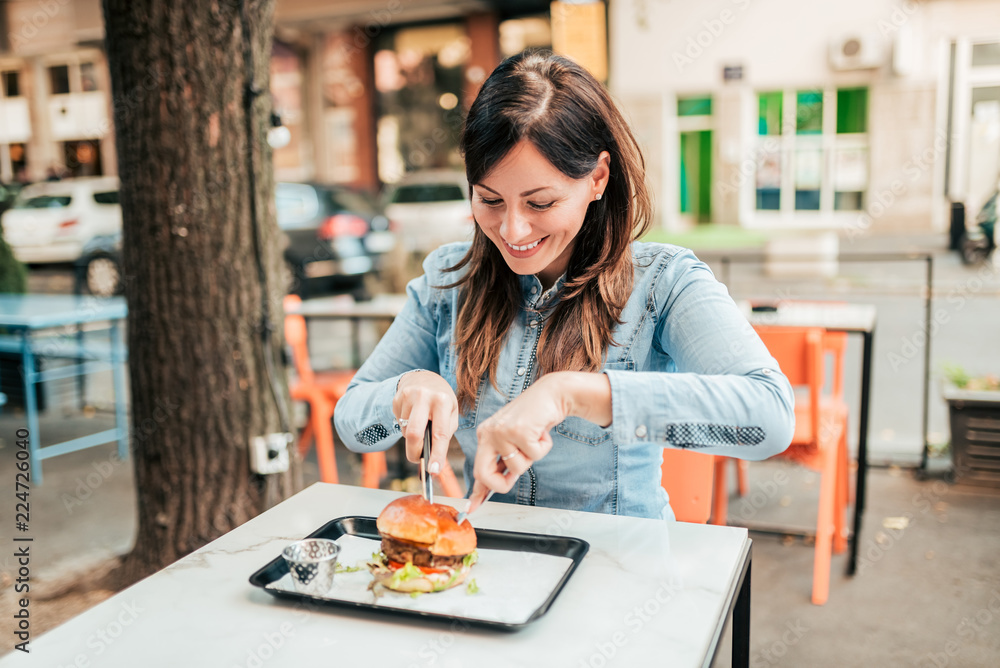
(741, 621)
(118, 376)
(859, 488)
(31, 407)
(81, 380)
(356, 341)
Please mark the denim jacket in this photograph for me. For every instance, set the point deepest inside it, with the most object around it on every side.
(687, 371)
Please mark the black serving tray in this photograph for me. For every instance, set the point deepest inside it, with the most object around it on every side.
(489, 539)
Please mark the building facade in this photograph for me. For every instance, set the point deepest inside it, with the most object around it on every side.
(863, 115)
(367, 90)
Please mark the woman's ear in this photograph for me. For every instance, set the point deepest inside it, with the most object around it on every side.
(601, 174)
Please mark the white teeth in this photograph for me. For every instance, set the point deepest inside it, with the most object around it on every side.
(524, 248)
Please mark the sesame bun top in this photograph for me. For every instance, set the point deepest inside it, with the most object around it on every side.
(412, 518)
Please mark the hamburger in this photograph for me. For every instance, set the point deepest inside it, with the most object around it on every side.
(423, 548)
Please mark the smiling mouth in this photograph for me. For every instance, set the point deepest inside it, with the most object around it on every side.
(526, 247)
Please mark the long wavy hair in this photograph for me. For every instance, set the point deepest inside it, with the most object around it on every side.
(570, 118)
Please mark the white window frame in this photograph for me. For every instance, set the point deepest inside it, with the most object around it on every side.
(787, 216)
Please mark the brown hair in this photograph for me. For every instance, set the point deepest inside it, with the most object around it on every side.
(570, 118)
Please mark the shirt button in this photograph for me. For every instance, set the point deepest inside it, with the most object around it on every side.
(766, 372)
(533, 323)
(640, 431)
(534, 289)
(520, 372)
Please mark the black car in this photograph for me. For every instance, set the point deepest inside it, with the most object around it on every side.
(336, 237)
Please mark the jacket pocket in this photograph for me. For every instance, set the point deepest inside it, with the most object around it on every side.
(585, 431)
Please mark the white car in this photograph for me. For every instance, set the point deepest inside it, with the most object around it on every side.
(54, 221)
(430, 208)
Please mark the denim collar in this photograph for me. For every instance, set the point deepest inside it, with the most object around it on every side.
(539, 300)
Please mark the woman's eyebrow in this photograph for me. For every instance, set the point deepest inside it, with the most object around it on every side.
(524, 194)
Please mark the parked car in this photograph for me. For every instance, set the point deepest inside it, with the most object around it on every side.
(336, 237)
(430, 208)
(53, 221)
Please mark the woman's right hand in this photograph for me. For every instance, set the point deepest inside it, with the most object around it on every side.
(423, 396)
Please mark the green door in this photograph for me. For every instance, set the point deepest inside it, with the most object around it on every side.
(696, 175)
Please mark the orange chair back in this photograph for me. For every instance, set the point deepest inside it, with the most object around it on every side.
(296, 339)
(799, 353)
(687, 477)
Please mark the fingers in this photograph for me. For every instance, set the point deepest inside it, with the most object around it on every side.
(495, 474)
(444, 423)
(427, 397)
(414, 431)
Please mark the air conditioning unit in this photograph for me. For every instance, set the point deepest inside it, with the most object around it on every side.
(857, 51)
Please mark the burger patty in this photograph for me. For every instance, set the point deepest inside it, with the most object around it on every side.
(404, 551)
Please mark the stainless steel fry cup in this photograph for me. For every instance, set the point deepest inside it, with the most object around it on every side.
(312, 563)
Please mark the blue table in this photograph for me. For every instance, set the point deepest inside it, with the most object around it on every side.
(28, 322)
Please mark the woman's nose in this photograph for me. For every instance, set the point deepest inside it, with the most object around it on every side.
(515, 226)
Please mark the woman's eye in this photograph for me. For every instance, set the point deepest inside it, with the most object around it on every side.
(490, 202)
(540, 207)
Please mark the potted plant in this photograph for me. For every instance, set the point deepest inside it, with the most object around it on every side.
(974, 409)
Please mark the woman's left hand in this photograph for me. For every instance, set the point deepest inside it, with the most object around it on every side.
(517, 435)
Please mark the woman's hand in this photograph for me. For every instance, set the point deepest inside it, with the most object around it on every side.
(423, 396)
(517, 435)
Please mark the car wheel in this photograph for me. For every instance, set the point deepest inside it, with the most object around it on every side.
(103, 276)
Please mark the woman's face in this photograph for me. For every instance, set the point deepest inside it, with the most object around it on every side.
(533, 212)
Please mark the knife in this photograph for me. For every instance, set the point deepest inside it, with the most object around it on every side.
(464, 514)
(426, 480)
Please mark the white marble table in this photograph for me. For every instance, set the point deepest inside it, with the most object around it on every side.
(647, 592)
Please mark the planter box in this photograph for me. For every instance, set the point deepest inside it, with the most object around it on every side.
(975, 435)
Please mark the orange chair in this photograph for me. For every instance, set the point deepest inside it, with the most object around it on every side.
(820, 438)
(322, 390)
(720, 503)
(687, 477)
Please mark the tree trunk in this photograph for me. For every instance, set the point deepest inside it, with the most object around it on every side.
(198, 363)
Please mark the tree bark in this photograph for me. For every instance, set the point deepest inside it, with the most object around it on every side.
(198, 369)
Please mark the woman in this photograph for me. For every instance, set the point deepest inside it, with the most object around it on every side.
(562, 354)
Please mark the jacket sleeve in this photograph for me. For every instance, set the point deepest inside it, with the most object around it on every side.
(724, 394)
(363, 416)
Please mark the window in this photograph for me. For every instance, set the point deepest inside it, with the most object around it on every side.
(44, 202)
(110, 197)
(986, 55)
(819, 160)
(59, 80)
(809, 112)
(10, 81)
(852, 110)
(428, 192)
(88, 77)
(694, 106)
(769, 115)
